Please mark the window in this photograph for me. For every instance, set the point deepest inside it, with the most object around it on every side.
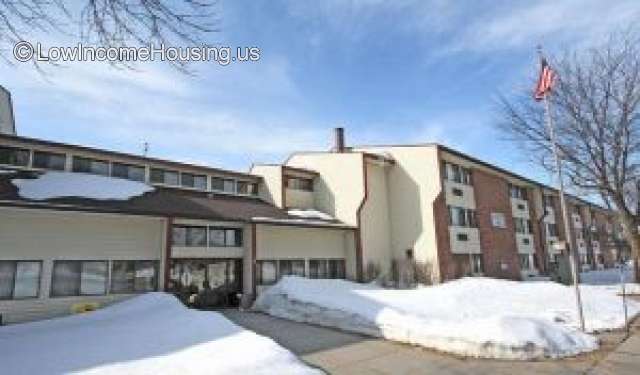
(526, 241)
(288, 267)
(462, 217)
(19, 279)
(130, 172)
(222, 184)
(476, 264)
(79, 278)
(517, 192)
(521, 207)
(462, 237)
(86, 165)
(326, 268)
(221, 237)
(552, 230)
(457, 192)
(456, 173)
(522, 226)
(498, 220)
(193, 181)
(267, 272)
(14, 156)
(548, 200)
(189, 236)
(163, 176)
(49, 160)
(133, 276)
(253, 189)
(299, 183)
(525, 261)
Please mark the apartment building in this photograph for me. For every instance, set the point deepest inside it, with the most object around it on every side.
(222, 236)
(436, 206)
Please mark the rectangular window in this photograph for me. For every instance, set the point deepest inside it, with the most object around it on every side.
(526, 241)
(457, 192)
(289, 267)
(462, 237)
(133, 276)
(298, 183)
(462, 217)
(14, 156)
(498, 220)
(517, 192)
(222, 184)
(189, 236)
(19, 279)
(93, 166)
(243, 187)
(221, 237)
(326, 268)
(130, 172)
(49, 160)
(267, 272)
(456, 173)
(253, 189)
(78, 278)
(164, 176)
(549, 200)
(193, 181)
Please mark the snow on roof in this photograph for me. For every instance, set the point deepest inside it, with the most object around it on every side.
(310, 214)
(66, 184)
(259, 219)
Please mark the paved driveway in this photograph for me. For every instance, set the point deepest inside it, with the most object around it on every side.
(339, 352)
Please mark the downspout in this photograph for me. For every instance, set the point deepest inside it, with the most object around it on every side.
(167, 259)
(358, 234)
(254, 246)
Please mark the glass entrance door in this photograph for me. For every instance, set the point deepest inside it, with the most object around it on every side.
(206, 283)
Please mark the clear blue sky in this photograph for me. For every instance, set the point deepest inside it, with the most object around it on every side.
(389, 72)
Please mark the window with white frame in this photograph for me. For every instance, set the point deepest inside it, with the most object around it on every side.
(498, 220)
(462, 217)
(457, 173)
(19, 279)
(517, 192)
(522, 226)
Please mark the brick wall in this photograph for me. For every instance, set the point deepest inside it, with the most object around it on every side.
(499, 249)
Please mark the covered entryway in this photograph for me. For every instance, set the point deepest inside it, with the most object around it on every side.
(206, 283)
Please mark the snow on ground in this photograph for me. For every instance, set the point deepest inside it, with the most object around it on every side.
(149, 334)
(478, 317)
(310, 214)
(66, 184)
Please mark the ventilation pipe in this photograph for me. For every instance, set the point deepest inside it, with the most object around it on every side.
(338, 140)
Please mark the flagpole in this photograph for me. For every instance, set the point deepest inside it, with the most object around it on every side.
(563, 205)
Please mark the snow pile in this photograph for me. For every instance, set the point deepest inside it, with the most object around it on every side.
(66, 184)
(149, 334)
(310, 214)
(478, 317)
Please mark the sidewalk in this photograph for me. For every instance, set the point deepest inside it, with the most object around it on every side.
(625, 359)
(339, 352)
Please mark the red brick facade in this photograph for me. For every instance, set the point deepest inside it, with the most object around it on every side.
(499, 251)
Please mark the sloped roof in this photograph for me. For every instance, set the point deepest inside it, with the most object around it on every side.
(164, 202)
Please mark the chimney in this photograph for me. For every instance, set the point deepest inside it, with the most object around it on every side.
(338, 140)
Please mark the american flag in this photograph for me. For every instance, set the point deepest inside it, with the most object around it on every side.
(545, 82)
